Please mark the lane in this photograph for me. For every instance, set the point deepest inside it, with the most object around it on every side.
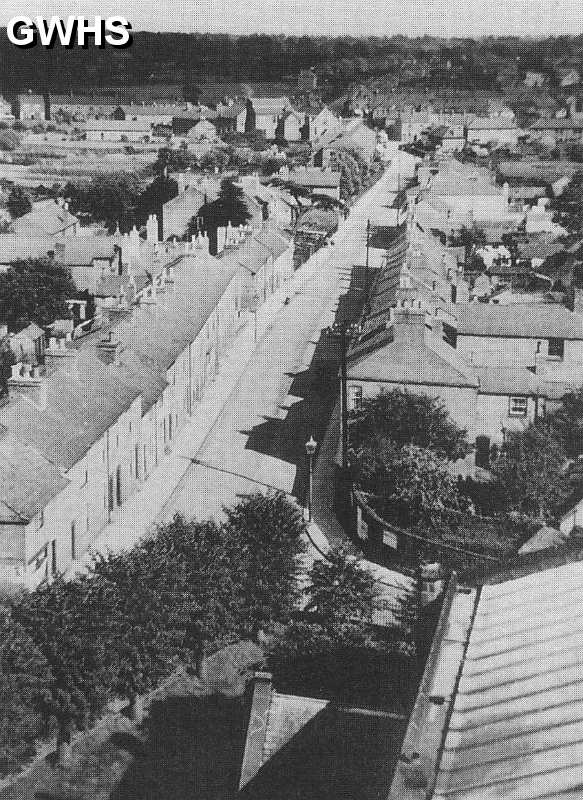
(254, 443)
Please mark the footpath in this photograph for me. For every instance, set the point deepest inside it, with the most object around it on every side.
(137, 516)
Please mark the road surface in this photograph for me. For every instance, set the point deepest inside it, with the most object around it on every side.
(257, 442)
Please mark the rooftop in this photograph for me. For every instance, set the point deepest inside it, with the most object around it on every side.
(526, 320)
(515, 730)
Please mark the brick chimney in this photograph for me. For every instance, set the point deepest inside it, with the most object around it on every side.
(27, 381)
(59, 356)
(109, 349)
(409, 327)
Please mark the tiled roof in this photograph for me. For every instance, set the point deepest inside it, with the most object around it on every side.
(527, 320)
(515, 730)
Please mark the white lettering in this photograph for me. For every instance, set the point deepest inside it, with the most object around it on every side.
(20, 26)
(84, 29)
(55, 27)
(119, 28)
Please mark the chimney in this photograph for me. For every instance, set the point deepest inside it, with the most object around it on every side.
(109, 349)
(409, 327)
(27, 382)
(3, 331)
(437, 328)
(59, 356)
(578, 301)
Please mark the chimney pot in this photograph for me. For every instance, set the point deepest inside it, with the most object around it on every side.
(26, 369)
(16, 370)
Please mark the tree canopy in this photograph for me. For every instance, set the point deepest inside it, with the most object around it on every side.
(230, 206)
(406, 418)
(18, 203)
(35, 290)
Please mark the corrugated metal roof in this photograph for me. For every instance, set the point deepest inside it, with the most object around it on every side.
(516, 730)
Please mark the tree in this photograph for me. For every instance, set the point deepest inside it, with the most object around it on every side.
(151, 200)
(24, 678)
(265, 534)
(230, 206)
(530, 472)
(18, 203)
(567, 422)
(411, 485)
(35, 290)
(407, 418)
(9, 140)
(110, 199)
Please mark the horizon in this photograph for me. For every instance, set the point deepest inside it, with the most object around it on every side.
(528, 19)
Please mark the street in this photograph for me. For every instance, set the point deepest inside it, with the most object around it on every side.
(257, 442)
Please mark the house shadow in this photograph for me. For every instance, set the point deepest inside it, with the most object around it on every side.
(311, 396)
(192, 747)
(340, 754)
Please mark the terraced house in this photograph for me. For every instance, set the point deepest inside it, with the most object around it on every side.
(80, 433)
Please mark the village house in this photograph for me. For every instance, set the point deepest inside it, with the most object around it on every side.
(112, 130)
(47, 218)
(81, 433)
(230, 118)
(182, 123)
(318, 181)
(290, 126)
(492, 130)
(263, 114)
(78, 107)
(29, 107)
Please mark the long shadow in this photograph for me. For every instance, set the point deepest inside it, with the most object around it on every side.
(314, 391)
(193, 749)
(337, 755)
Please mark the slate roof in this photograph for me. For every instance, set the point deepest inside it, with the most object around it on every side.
(27, 480)
(492, 123)
(47, 218)
(117, 125)
(515, 730)
(435, 364)
(318, 178)
(79, 409)
(557, 124)
(525, 320)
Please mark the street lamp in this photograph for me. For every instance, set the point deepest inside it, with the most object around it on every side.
(311, 446)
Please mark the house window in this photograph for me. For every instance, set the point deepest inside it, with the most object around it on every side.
(556, 348)
(355, 397)
(518, 406)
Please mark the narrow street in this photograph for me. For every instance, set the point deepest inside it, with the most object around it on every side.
(257, 443)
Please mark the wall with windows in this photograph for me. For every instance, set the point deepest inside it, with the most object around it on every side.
(517, 351)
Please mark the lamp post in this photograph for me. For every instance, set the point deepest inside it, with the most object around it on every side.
(367, 252)
(254, 307)
(311, 446)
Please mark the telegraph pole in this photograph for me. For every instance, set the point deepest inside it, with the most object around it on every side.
(367, 256)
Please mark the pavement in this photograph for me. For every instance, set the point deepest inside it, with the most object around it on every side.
(248, 432)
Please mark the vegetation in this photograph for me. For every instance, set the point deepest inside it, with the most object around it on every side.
(35, 290)
(230, 206)
(69, 647)
(18, 203)
(332, 643)
(405, 418)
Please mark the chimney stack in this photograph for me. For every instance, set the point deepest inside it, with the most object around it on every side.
(409, 327)
(109, 349)
(59, 356)
(27, 382)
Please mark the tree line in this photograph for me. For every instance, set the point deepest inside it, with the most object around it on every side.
(70, 647)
